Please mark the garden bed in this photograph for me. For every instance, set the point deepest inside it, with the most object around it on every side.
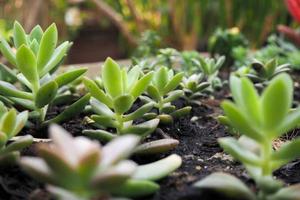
(199, 149)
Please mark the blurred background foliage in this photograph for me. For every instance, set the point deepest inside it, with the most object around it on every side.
(100, 28)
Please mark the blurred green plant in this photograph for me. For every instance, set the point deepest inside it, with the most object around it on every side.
(223, 42)
(80, 169)
(11, 124)
(162, 92)
(36, 58)
(259, 120)
(261, 73)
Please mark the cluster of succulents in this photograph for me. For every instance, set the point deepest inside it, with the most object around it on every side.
(124, 106)
(80, 168)
(259, 120)
(36, 58)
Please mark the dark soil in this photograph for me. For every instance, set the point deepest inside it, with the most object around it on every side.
(201, 154)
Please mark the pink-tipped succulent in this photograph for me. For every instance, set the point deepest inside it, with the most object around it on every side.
(83, 169)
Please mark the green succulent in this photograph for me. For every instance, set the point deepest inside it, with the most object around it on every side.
(210, 68)
(112, 104)
(223, 42)
(162, 92)
(262, 73)
(79, 168)
(11, 124)
(259, 120)
(36, 60)
(193, 86)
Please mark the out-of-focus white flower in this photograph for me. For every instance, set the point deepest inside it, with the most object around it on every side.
(72, 17)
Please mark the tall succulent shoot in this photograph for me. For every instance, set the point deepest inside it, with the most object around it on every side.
(36, 59)
(163, 92)
(210, 67)
(112, 104)
(260, 120)
(11, 124)
(79, 168)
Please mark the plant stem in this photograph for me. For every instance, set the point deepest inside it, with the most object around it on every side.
(120, 126)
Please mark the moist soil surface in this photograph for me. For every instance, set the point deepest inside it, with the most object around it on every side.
(199, 149)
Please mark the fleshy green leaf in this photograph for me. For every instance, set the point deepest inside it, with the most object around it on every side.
(239, 121)
(141, 85)
(173, 83)
(159, 169)
(36, 33)
(291, 121)
(236, 150)
(26, 63)
(156, 147)
(96, 92)
(46, 94)
(276, 101)
(56, 58)
(20, 122)
(173, 96)
(226, 184)
(104, 121)
(287, 193)
(123, 103)
(288, 151)
(7, 51)
(19, 35)
(154, 93)
(250, 99)
(160, 79)
(68, 77)
(71, 111)
(103, 136)
(8, 122)
(34, 46)
(133, 76)
(47, 46)
(10, 90)
(136, 188)
(112, 78)
(100, 108)
(139, 112)
(19, 144)
(142, 129)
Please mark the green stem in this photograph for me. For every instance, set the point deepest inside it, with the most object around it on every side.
(266, 157)
(120, 126)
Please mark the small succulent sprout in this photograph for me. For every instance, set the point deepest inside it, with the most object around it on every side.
(210, 68)
(163, 91)
(193, 86)
(36, 59)
(83, 169)
(263, 72)
(259, 120)
(111, 105)
(168, 57)
(11, 124)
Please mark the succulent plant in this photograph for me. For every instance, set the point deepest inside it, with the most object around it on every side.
(11, 124)
(259, 120)
(112, 108)
(210, 68)
(163, 92)
(222, 42)
(193, 86)
(36, 60)
(111, 105)
(262, 73)
(80, 168)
